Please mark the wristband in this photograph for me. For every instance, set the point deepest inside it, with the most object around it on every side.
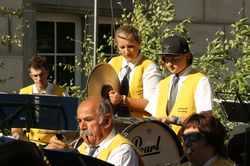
(123, 99)
(177, 120)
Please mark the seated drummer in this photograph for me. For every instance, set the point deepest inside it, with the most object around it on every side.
(138, 75)
(98, 137)
(38, 68)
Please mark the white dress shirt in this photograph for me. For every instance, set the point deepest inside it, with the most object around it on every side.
(151, 76)
(202, 96)
(210, 162)
(123, 155)
(47, 91)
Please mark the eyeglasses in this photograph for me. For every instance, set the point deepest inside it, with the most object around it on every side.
(192, 137)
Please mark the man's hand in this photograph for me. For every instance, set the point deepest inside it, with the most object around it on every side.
(56, 144)
(15, 135)
(115, 97)
(167, 120)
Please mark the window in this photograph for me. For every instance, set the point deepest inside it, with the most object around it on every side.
(53, 43)
(107, 30)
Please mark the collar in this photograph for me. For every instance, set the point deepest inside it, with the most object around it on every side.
(48, 89)
(106, 142)
(209, 162)
(184, 72)
(130, 64)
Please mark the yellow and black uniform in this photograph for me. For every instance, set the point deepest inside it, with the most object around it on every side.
(136, 83)
(56, 90)
(218, 162)
(184, 104)
(105, 152)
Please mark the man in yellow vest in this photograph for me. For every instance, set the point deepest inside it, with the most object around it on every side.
(185, 91)
(204, 141)
(38, 69)
(142, 74)
(95, 119)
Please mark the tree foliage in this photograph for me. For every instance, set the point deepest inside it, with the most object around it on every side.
(10, 14)
(226, 63)
(7, 39)
(153, 19)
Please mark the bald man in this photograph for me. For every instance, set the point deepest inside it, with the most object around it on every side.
(95, 120)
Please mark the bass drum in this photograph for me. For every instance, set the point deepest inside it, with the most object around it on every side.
(156, 143)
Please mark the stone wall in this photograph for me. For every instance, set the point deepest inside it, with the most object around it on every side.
(208, 16)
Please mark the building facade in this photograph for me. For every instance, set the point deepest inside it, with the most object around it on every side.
(50, 22)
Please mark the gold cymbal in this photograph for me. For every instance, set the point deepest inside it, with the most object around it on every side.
(102, 79)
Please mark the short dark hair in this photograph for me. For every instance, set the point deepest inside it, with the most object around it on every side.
(215, 132)
(38, 62)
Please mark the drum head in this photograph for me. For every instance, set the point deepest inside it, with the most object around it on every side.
(102, 79)
(156, 143)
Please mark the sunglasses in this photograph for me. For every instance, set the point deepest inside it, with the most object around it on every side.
(192, 137)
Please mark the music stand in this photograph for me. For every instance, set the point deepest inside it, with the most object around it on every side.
(238, 109)
(72, 158)
(38, 111)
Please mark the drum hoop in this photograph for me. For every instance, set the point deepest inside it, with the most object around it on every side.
(172, 133)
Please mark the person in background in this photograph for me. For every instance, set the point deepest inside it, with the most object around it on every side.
(98, 137)
(185, 91)
(38, 68)
(138, 75)
(204, 140)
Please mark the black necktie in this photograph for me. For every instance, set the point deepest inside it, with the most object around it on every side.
(125, 82)
(173, 93)
(122, 110)
(92, 150)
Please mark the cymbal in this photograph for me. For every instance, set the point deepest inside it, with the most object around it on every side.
(102, 79)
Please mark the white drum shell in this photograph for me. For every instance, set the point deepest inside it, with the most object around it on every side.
(156, 143)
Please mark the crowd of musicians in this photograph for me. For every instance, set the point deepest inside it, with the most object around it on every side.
(183, 101)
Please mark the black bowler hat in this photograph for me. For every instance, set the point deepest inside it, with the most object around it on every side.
(174, 45)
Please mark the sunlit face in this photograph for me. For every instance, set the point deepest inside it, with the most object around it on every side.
(89, 119)
(175, 64)
(39, 76)
(201, 151)
(129, 48)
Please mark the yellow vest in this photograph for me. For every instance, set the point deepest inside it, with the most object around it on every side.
(104, 153)
(35, 135)
(56, 90)
(136, 84)
(219, 162)
(184, 104)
